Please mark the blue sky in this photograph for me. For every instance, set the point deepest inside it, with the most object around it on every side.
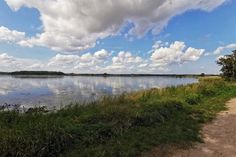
(189, 37)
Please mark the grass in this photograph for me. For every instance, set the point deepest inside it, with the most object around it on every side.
(125, 126)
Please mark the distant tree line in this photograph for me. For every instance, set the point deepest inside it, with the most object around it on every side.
(37, 73)
(228, 66)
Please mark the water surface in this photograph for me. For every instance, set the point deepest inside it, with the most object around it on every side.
(58, 92)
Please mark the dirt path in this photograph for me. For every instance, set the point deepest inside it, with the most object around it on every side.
(219, 137)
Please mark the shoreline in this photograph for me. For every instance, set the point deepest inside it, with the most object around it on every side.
(58, 73)
(129, 125)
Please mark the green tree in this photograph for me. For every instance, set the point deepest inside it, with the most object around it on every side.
(228, 63)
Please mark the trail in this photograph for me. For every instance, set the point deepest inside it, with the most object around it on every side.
(219, 137)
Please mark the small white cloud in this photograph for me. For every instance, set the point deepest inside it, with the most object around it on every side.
(157, 44)
(207, 54)
(102, 54)
(192, 54)
(126, 62)
(221, 49)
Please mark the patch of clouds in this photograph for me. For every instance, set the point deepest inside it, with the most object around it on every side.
(75, 25)
(177, 52)
(87, 61)
(102, 54)
(102, 61)
(125, 62)
(11, 36)
(10, 63)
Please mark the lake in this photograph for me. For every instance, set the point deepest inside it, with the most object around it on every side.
(60, 91)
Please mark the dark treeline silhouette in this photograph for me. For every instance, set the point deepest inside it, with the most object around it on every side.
(140, 75)
(37, 73)
(4, 73)
(16, 73)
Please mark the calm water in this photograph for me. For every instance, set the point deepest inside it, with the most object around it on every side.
(58, 92)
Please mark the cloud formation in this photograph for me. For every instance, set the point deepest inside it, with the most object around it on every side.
(10, 63)
(103, 61)
(177, 52)
(11, 36)
(74, 25)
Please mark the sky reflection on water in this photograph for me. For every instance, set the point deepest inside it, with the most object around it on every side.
(58, 92)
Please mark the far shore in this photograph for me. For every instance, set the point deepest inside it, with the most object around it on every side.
(56, 73)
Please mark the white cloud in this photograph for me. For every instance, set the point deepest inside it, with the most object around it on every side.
(207, 54)
(9, 63)
(221, 49)
(218, 50)
(74, 63)
(63, 60)
(103, 61)
(125, 61)
(74, 25)
(88, 57)
(60, 62)
(192, 54)
(11, 36)
(158, 44)
(102, 54)
(177, 52)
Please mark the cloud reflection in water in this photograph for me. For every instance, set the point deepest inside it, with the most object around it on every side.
(62, 91)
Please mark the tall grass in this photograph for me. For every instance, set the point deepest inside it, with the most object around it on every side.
(127, 125)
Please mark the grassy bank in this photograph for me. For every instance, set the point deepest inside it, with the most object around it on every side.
(124, 126)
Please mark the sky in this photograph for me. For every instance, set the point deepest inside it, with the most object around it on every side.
(110, 36)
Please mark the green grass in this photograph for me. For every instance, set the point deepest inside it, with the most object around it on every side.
(125, 126)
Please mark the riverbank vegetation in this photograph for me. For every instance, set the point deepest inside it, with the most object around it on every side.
(124, 126)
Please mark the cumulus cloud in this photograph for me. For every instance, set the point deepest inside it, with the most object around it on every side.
(103, 61)
(74, 25)
(76, 62)
(60, 62)
(9, 63)
(125, 61)
(102, 54)
(11, 36)
(177, 52)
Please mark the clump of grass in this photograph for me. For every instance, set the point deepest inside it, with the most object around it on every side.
(193, 98)
(126, 125)
(31, 135)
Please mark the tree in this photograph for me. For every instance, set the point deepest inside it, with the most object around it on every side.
(228, 63)
(203, 74)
